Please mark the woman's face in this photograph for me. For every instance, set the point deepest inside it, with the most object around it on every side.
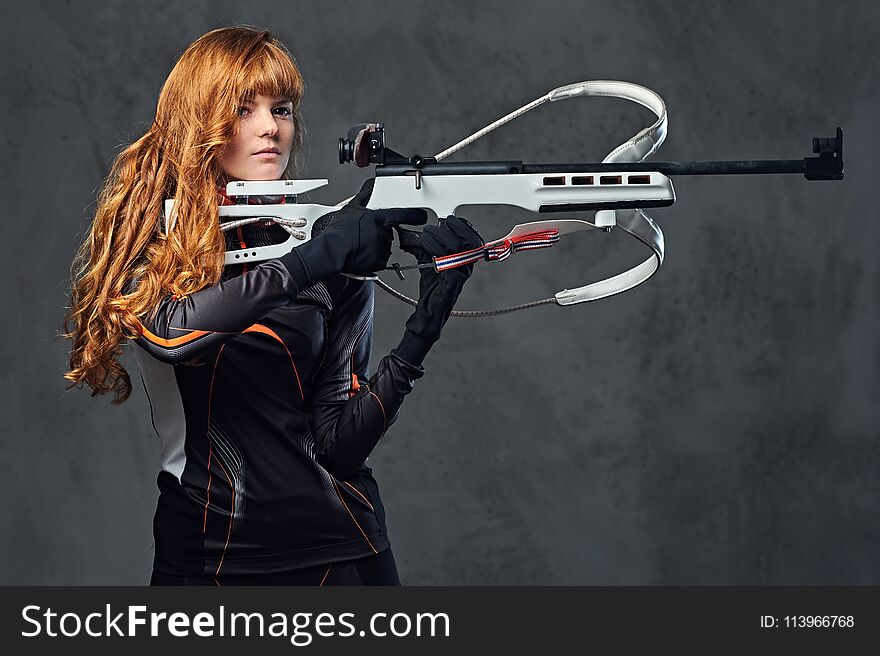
(261, 148)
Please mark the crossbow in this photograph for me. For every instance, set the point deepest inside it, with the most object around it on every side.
(617, 189)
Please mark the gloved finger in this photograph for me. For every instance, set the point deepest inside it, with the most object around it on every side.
(322, 223)
(397, 215)
(363, 196)
(463, 229)
(408, 238)
(442, 241)
(411, 242)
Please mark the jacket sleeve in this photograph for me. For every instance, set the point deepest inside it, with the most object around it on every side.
(351, 412)
(181, 329)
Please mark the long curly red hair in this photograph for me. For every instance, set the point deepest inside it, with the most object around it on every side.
(178, 157)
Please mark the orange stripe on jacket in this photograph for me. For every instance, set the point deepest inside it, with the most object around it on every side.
(339, 494)
(382, 408)
(177, 341)
(259, 328)
(231, 515)
(355, 386)
(360, 495)
(210, 443)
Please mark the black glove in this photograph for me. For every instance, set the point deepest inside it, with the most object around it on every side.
(352, 239)
(438, 292)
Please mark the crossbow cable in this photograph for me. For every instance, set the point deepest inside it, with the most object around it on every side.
(634, 221)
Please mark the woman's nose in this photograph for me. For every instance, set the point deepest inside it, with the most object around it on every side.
(268, 126)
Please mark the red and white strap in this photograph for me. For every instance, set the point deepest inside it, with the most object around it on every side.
(499, 249)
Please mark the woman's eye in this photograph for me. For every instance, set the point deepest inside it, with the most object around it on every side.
(285, 111)
(242, 110)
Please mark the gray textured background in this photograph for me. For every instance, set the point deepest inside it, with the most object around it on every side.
(717, 425)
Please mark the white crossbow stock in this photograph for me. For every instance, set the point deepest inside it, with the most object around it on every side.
(617, 190)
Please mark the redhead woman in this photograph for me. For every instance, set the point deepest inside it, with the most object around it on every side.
(257, 376)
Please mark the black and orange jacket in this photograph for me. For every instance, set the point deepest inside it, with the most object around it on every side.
(261, 398)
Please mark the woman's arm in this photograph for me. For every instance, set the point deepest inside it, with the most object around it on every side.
(353, 238)
(183, 328)
(350, 412)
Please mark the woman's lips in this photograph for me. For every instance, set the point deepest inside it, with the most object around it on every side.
(266, 155)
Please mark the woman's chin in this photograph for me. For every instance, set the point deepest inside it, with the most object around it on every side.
(254, 173)
(257, 176)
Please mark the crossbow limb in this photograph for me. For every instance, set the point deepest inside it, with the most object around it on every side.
(617, 189)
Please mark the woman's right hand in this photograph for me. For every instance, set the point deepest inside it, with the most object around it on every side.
(354, 239)
(438, 292)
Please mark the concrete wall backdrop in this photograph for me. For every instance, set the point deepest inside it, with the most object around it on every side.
(717, 425)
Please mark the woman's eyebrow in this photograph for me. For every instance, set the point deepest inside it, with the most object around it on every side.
(276, 101)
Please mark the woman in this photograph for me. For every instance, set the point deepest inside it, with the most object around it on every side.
(257, 377)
